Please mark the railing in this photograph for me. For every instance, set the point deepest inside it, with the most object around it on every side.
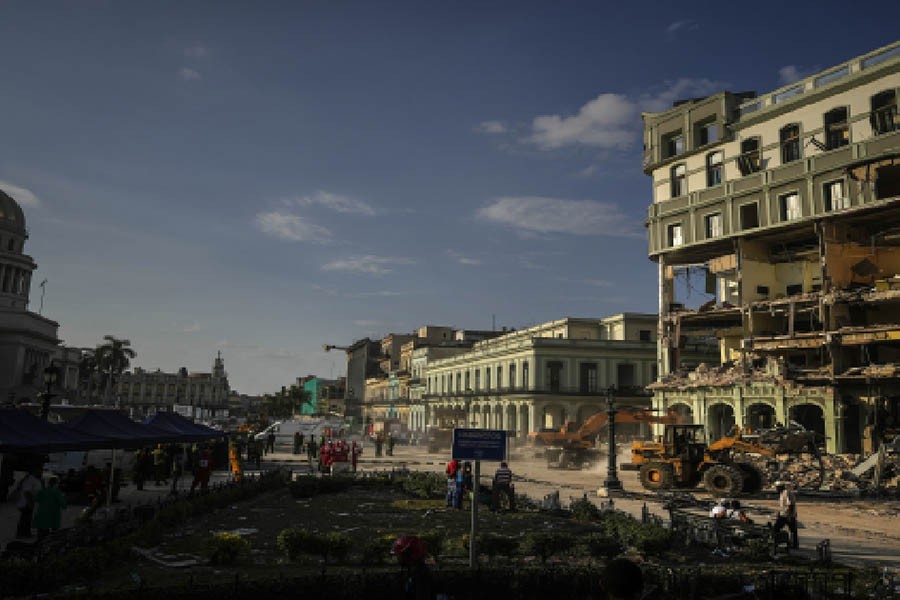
(624, 391)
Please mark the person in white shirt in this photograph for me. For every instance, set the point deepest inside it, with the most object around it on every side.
(719, 511)
(787, 511)
(27, 489)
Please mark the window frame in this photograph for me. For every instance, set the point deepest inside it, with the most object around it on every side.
(784, 211)
(672, 142)
(670, 234)
(708, 220)
(828, 203)
(715, 171)
(886, 111)
(790, 145)
(741, 207)
(750, 161)
(837, 127)
(678, 180)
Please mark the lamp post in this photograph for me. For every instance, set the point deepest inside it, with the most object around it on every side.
(612, 482)
(50, 376)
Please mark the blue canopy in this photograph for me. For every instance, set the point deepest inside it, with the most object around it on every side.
(121, 431)
(21, 431)
(182, 426)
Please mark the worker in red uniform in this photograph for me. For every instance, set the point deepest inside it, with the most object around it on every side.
(203, 470)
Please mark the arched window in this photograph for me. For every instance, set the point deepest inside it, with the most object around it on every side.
(679, 187)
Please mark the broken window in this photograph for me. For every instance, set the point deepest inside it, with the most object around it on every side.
(887, 181)
(790, 143)
(834, 197)
(674, 144)
(679, 187)
(749, 161)
(837, 133)
(790, 206)
(713, 225)
(588, 377)
(884, 112)
(714, 169)
(675, 235)
(749, 216)
(707, 133)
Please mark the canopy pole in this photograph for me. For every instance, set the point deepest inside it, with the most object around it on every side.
(112, 478)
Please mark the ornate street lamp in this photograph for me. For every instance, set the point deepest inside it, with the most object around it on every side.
(50, 376)
(612, 482)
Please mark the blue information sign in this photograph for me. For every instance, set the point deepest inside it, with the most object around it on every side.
(479, 444)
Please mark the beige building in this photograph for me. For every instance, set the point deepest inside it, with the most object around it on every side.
(541, 377)
(786, 205)
(203, 395)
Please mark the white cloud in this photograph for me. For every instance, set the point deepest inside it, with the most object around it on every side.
(23, 196)
(491, 127)
(291, 227)
(196, 51)
(791, 73)
(557, 215)
(607, 121)
(682, 25)
(335, 202)
(370, 264)
(188, 74)
(463, 260)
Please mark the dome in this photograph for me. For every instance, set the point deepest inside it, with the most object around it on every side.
(11, 215)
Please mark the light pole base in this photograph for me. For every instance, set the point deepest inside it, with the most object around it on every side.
(612, 485)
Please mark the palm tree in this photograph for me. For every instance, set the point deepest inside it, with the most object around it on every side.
(113, 357)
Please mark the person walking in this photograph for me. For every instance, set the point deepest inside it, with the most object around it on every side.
(50, 504)
(390, 444)
(502, 486)
(203, 470)
(159, 465)
(787, 512)
(26, 492)
(270, 442)
(298, 442)
(177, 468)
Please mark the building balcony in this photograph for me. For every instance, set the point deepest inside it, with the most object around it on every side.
(625, 391)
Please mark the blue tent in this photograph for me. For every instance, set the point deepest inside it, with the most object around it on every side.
(120, 430)
(21, 431)
(179, 425)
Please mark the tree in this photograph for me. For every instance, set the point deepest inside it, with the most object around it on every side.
(88, 369)
(287, 402)
(113, 357)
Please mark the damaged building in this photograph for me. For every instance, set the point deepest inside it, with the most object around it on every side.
(784, 209)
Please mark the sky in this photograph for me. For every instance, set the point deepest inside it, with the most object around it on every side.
(261, 179)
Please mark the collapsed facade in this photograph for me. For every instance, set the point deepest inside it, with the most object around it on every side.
(786, 207)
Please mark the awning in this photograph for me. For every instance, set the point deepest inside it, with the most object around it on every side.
(120, 430)
(182, 426)
(21, 431)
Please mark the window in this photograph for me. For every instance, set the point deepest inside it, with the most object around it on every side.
(644, 335)
(713, 225)
(458, 382)
(675, 238)
(833, 196)
(525, 375)
(749, 161)
(749, 216)
(790, 143)
(554, 376)
(678, 180)
(790, 206)
(714, 169)
(836, 132)
(587, 381)
(487, 378)
(477, 379)
(707, 133)
(884, 112)
(625, 375)
(468, 386)
(512, 375)
(674, 144)
(499, 377)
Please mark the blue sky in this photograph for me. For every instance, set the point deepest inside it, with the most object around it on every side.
(211, 176)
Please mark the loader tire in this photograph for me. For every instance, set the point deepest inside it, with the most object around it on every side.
(723, 480)
(657, 476)
(753, 479)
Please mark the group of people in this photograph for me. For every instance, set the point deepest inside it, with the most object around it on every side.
(40, 506)
(170, 461)
(384, 444)
(460, 483)
(786, 516)
(334, 451)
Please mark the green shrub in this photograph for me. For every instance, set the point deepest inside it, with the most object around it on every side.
(585, 511)
(227, 549)
(336, 545)
(545, 545)
(295, 542)
(493, 545)
(374, 551)
(424, 485)
(602, 546)
(651, 539)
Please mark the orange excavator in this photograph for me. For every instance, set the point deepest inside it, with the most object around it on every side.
(573, 448)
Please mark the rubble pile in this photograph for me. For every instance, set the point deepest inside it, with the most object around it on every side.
(802, 470)
(727, 375)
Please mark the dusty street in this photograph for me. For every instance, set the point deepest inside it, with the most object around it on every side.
(861, 531)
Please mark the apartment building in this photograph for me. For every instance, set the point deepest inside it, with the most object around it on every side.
(543, 376)
(787, 206)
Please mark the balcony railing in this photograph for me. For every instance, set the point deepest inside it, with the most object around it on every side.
(625, 391)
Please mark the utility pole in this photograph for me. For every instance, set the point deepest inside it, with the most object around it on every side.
(612, 482)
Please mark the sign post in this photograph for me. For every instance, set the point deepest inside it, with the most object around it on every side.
(477, 445)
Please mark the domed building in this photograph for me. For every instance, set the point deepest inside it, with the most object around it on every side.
(28, 341)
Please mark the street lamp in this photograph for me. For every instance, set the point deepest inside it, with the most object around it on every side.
(50, 376)
(612, 482)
